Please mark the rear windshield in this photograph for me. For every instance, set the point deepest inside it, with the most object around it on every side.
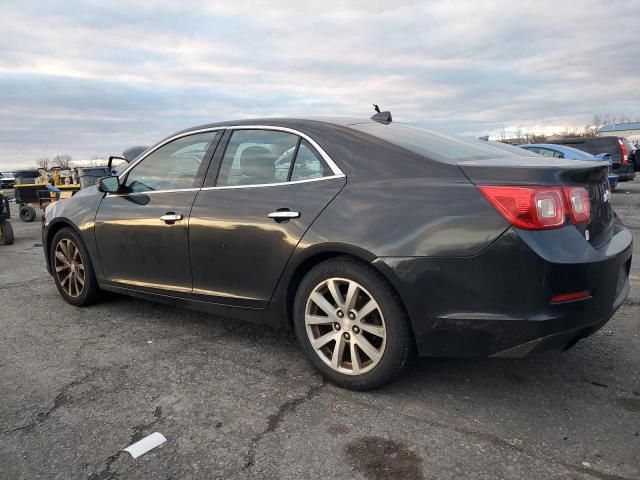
(579, 154)
(434, 145)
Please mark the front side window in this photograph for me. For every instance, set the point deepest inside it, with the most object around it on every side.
(257, 157)
(173, 166)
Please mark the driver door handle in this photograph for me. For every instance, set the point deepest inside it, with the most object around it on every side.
(284, 214)
(170, 217)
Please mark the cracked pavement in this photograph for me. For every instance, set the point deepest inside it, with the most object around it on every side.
(237, 400)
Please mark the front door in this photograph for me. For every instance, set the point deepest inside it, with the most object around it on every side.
(142, 233)
(270, 188)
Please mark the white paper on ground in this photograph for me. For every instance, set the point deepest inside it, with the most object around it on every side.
(147, 443)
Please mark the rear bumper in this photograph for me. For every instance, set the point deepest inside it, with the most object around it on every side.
(624, 170)
(498, 303)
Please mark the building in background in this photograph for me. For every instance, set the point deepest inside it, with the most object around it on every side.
(631, 131)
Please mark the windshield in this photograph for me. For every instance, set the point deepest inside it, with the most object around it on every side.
(434, 145)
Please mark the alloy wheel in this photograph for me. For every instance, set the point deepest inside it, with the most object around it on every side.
(69, 268)
(345, 326)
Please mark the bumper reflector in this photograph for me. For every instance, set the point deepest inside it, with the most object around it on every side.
(571, 297)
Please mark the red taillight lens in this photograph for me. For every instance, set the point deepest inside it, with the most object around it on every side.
(530, 208)
(578, 202)
(539, 208)
(625, 152)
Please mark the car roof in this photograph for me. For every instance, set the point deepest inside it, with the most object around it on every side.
(291, 122)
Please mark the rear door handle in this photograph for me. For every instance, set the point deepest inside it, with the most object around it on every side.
(171, 218)
(284, 215)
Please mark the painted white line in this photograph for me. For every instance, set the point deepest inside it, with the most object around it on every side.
(147, 443)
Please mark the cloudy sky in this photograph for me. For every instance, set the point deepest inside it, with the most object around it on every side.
(89, 77)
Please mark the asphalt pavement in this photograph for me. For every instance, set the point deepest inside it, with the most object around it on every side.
(238, 400)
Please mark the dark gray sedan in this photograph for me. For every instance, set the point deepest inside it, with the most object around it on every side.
(372, 239)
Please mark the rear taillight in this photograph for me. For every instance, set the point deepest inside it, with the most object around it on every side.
(625, 152)
(579, 206)
(539, 208)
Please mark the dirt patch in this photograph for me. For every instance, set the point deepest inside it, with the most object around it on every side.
(629, 403)
(378, 458)
(337, 430)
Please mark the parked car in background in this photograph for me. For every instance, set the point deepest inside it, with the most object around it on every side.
(7, 180)
(634, 156)
(378, 241)
(619, 148)
(551, 150)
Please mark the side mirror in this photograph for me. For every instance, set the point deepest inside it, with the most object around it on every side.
(109, 184)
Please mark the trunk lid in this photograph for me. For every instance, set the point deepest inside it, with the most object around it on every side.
(531, 171)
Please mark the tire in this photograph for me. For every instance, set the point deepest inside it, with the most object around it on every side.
(66, 242)
(27, 214)
(392, 342)
(6, 232)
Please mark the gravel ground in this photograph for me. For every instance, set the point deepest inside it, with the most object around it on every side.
(237, 400)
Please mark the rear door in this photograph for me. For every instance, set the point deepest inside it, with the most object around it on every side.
(142, 233)
(246, 222)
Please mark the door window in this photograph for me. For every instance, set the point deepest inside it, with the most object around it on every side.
(173, 166)
(308, 165)
(263, 157)
(256, 157)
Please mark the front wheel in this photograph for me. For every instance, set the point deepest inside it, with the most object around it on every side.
(6, 232)
(72, 269)
(351, 324)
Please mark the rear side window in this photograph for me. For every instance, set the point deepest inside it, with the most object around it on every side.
(434, 145)
(264, 157)
(308, 164)
(256, 157)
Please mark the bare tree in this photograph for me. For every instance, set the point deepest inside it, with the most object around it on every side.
(502, 135)
(518, 134)
(624, 118)
(62, 161)
(589, 131)
(598, 121)
(44, 163)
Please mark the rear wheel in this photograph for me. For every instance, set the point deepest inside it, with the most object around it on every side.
(27, 213)
(6, 232)
(351, 324)
(72, 269)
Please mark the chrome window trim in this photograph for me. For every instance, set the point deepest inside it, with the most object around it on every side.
(278, 184)
(325, 156)
(227, 187)
(151, 192)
